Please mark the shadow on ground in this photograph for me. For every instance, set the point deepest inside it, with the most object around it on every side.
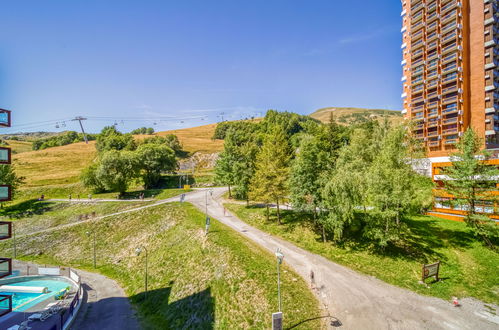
(196, 311)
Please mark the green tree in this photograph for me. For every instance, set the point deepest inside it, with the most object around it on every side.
(272, 170)
(116, 170)
(112, 139)
(395, 190)
(224, 167)
(345, 185)
(9, 177)
(471, 181)
(155, 159)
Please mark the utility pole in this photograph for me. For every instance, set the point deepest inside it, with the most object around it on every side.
(79, 119)
(222, 115)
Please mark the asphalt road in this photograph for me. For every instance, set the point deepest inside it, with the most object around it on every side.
(353, 300)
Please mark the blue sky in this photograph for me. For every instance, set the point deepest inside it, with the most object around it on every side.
(175, 62)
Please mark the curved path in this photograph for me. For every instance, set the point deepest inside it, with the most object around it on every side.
(356, 301)
(105, 307)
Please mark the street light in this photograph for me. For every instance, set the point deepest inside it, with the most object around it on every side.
(93, 234)
(138, 251)
(279, 257)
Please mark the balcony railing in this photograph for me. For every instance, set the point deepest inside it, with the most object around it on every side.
(450, 121)
(453, 141)
(449, 78)
(449, 111)
(433, 143)
(449, 57)
(433, 133)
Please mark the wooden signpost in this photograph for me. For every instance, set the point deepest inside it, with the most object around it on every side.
(430, 270)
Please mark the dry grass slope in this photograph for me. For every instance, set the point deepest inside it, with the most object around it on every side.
(19, 146)
(53, 166)
(197, 139)
(347, 116)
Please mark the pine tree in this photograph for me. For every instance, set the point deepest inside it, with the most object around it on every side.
(272, 170)
(471, 180)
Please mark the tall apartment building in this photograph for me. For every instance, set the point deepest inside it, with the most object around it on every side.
(451, 71)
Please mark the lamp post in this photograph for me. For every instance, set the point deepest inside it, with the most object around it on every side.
(93, 243)
(279, 257)
(138, 251)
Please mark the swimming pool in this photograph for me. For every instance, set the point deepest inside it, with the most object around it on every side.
(22, 301)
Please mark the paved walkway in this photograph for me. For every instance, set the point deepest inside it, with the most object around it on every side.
(354, 300)
(105, 307)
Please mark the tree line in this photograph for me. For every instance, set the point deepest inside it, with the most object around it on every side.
(123, 160)
(350, 179)
(63, 139)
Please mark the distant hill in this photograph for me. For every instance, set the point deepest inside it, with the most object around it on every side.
(348, 116)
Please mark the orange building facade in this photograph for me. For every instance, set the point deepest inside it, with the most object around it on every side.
(450, 76)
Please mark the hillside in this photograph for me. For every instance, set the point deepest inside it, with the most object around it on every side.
(219, 281)
(197, 139)
(348, 116)
(63, 165)
(52, 166)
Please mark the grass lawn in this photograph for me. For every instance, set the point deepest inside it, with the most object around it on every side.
(223, 281)
(468, 268)
(32, 215)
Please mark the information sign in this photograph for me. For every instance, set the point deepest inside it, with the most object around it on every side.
(431, 270)
(277, 321)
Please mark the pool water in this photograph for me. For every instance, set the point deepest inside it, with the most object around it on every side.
(24, 301)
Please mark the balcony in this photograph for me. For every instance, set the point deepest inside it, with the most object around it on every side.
(449, 37)
(416, 7)
(449, 78)
(417, 45)
(432, 46)
(490, 20)
(449, 17)
(431, 7)
(417, 88)
(433, 95)
(417, 63)
(417, 36)
(432, 124)
(451, 99)
(416, 27)
(417, 109)
(417, 53)
(448, 58)
(451, 48)
(433, 75)
(432, 133)
(5, 230)
(433, 143)
(452, 67)
(452, 141)
(432, 83)
(451, 89)
(449, 6)
(449, 121)
(431, 27)
(432, 115)
(490, 43)
(417, 17)
(449, 111)
(432, 36)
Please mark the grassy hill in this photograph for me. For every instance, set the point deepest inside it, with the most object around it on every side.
(197, 139)
(54, 166)
(348, 116)
(222, 281)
